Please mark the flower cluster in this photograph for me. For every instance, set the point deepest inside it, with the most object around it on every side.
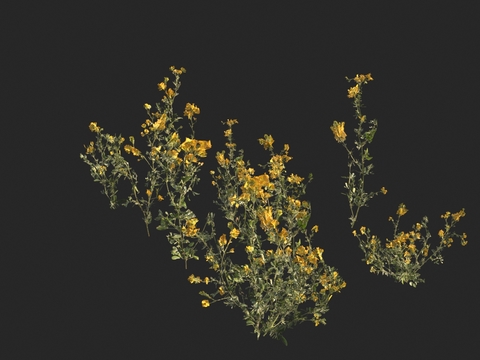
(402, 257)
(266, 264)
(173, 164)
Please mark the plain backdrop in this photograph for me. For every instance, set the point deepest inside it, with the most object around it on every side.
(82, 281)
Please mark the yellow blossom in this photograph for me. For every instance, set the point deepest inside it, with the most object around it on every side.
(162, 86)
(205, 303)
(234, 233)
(190, 110)
(189, 229)
(206, 280)
(402, 210)
(221, 291)
(94, 128)
(194, 279)
(267, 141)
(230, 122)
(383, 190)
(363, 78)
(339, 131)
(90, 148)
(446, 215)
(147, 106)
(458, 215)
(301, 250)
(160, 198)
(133, 150)
(223, 240)
(353, 91)
(160, 124)
(266, 218)
(294, 179)
(315, 228)
(149, 192)
(249, 249)
(319, 252)
(425, 250)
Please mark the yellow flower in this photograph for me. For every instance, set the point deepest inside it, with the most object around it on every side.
(446, 215)
(147, 106)
(94, 128)
(362, 230)
(149, 192)
(301, 250)
(160, 198)
(206, 280)
(223, 240)
(221, 291)
(425, 250)
(267, 141)
(339, 131)
(249, 249)
(177, 71)
(266, 219)
(315, 228)
(160, 124)
(402, 210)
(234, 233)
(353, 91)
(90, 148)
(133, 150)
(230, 122)
(383, 190)
(221, 159)
(161, 86)
(189, 229)
(205, 303)
(190, 110)
(295, 179)
(363, 78)
(458, 215)
(194, 279)
(441, 233)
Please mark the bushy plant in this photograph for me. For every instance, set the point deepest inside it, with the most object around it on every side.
(266, 264)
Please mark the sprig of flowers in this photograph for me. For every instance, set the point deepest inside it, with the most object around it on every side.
(358, 156)
(404, 256)
(173, 165)
(266, 265)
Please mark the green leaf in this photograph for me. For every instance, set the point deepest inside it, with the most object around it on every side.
(283, 339)
(366, 155)
(370, 134)
(302, 223)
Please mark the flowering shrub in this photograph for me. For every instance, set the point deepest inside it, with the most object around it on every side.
(265, 263)
(400, 258)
